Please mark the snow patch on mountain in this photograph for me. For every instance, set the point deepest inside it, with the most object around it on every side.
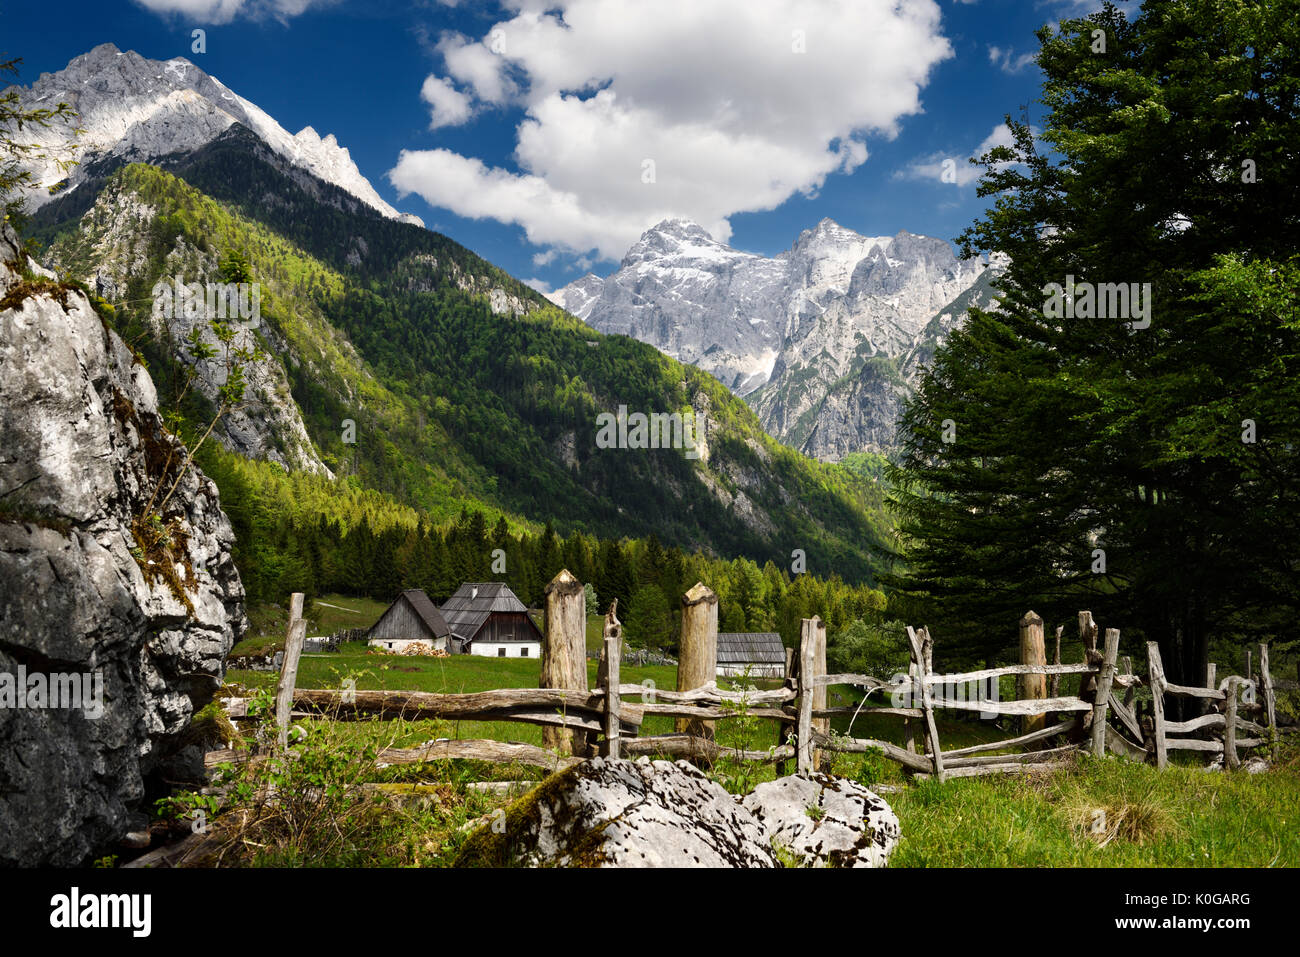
(140, 109)
(784, 330)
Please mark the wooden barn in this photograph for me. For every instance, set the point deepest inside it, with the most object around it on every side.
(761, 652)
(411, 618)
(487, 619)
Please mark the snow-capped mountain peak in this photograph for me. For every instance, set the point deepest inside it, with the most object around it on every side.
(139, 109)
(680, 239)
(579, 296)
(782, 330)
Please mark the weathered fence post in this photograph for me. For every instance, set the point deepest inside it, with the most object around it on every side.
(783, 766)
(1131, 691)
(927, 694)
(564, 654)
(1231, 760)
(1156, 675)
(1054, 682)
(697, 664)
(1203, 705)
(822, 726)
(1032, 652)
(295, 634)
(1104, 681)
(613, 652)
(808, 685)
(909, 732)
(1270, 702)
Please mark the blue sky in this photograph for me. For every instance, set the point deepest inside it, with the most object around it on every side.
(526, 129)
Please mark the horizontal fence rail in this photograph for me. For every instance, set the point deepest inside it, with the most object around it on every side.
(580, 722)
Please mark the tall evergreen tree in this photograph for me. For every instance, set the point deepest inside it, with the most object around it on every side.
(1066, 453)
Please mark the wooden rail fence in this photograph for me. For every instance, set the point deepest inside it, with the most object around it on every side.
(579, 722)
(1226, 712)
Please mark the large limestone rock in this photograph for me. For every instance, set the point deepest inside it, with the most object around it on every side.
(604, 813)
(81, 451)
(825, 821)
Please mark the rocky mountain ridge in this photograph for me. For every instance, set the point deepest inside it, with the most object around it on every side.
(786, 331)
(131, 108)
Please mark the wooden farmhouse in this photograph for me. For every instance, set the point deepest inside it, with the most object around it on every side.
(761, 652)
(412, 618)
(487, 619)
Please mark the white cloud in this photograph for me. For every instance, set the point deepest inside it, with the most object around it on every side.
(1009, 62)
(450, 107)
(541, 285)
(713, 94)
(477, 66)
(217, 12)
(932, 167)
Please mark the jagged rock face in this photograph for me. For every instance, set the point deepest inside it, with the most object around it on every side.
(692, 297)
(81, 450)
(840, 384)
(604, 813)
(831, 418)
(579, 296)
(794, 333)
(140, 110)
(825, 821)
(111, 248)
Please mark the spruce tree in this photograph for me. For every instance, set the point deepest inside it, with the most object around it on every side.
(1140, 466)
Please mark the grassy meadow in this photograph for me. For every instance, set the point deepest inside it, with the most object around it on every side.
(1107, 813)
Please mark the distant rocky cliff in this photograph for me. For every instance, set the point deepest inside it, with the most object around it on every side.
(142, 617)
(821, 339)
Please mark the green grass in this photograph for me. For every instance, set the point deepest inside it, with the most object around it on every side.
(1183, 816)
(325, 615)
(459, 674)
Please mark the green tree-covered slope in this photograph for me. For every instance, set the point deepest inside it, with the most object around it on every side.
(466, 387)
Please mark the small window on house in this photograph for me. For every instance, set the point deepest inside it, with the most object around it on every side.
(501, 652)
(523, 652)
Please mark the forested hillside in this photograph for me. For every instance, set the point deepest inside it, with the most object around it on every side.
(306, 533)
(474, 402)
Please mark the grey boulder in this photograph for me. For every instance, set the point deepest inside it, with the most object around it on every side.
(613, 813)
(825, 821)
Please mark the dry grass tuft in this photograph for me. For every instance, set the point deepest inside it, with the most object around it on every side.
(1136, 818)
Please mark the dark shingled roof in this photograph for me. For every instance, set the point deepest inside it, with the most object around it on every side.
(473, 602)
(755, 647)
(424, 609)
(428, 611)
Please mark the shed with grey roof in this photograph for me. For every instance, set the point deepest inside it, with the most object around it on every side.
(761, 653)
(412, 617)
